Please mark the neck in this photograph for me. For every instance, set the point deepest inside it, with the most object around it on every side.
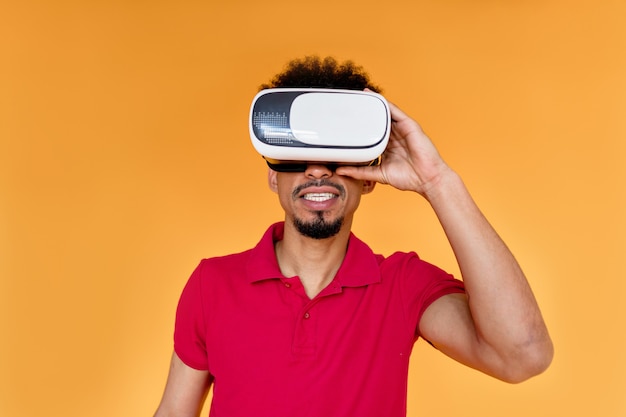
(314, 261)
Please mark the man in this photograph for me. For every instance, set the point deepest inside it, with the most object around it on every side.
(311, 323)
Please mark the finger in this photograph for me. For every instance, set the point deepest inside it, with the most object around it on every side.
(360, 173)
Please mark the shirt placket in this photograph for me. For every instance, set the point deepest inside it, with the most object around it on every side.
(305, 339)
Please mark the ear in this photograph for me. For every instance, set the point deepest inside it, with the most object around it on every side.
(368, 186)
(271, 180)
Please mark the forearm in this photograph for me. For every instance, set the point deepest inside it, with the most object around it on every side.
(504, 310)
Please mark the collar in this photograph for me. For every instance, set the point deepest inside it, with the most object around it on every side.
(359, 267)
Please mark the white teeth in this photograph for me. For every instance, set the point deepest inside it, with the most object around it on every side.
(318, 196)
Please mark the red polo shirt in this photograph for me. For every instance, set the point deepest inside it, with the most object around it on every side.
(273, 352)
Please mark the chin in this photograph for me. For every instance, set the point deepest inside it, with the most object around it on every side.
(318, 228)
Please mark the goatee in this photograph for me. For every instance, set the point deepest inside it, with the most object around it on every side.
(318, 228)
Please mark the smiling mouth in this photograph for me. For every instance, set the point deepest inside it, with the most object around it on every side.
(319, 197)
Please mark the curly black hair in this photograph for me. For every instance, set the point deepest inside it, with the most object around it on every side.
(315, 72)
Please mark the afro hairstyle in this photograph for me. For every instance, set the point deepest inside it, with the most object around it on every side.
(315, 72)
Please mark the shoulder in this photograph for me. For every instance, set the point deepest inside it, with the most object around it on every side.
(222, 266)
(409, 264)
(408, 269)
(419, 280)
(226, 261)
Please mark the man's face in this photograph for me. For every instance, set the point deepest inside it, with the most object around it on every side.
(318, 202)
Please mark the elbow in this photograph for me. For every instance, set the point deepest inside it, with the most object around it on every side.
(529, 362)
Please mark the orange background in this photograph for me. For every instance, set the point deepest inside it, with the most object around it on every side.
(125, 159)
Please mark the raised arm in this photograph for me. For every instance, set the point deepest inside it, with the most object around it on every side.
(497, 326)
(185, 391)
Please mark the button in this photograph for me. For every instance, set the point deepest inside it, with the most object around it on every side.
(288, 285)
(307, 315)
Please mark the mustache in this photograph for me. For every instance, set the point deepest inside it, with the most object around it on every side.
(319, 183)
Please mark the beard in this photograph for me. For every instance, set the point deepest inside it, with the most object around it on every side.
(318, 228)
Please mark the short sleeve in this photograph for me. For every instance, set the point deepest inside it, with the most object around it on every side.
(190, 328)
(422, 284)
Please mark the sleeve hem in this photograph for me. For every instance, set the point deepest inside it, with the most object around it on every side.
(190, 363)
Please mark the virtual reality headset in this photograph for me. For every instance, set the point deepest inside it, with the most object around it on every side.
(291, 126)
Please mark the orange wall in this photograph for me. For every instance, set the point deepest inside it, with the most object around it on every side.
(124, 159)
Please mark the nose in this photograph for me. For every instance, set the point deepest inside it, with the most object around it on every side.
(317, 171)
